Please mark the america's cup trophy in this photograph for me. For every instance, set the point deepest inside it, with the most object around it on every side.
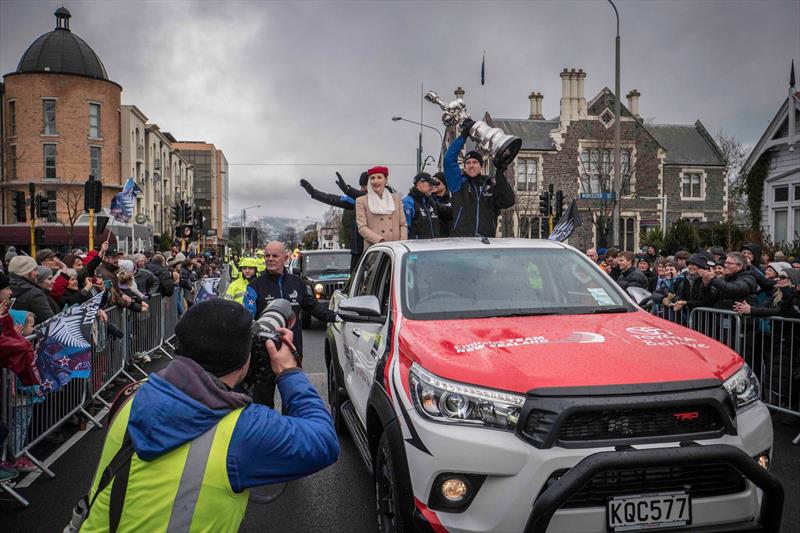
(500, 147)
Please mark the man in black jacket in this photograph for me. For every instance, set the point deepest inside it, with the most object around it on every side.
(442, 196)
(739, 283)
(156, 265)
(629, 275)
(275, 283)
(477, 199)
(423, 214)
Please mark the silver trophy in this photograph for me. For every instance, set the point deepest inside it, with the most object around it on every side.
(492, 141)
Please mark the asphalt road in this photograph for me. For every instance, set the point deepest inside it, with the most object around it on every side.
(338, 499)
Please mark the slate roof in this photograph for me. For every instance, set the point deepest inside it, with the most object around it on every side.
(61, 51)
(686, 144)
(535, 134)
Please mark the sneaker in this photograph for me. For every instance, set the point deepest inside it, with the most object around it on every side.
(24, 464)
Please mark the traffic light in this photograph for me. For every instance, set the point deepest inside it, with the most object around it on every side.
(187, 213)
(199, 219)
(176, 213)
(19, 206)
(92, 195)
(559, 204)
(545, 206)
(42, 207)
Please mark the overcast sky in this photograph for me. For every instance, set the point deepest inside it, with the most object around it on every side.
(302, 89)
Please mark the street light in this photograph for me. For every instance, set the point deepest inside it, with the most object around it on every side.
(244, 215)
(419, 146)
(617, 123)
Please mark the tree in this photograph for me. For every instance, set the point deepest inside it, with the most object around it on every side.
(681, 235)
(70, 198)
(735, 155)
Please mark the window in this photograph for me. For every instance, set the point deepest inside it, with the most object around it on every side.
(533, 228)
(781, 220)
(49, 161)
(49, 117)
(782, 194)
(691, 184)
(607, 118)
(94, 162)
(797, 193)
(52, 215)
(627, 233)
(94, 121)
(626, 188)
(527, 172)
(796, 232)
(12, 162)
(597, 169)
(12, 118)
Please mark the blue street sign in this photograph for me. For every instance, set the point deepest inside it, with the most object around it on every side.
(605, 196)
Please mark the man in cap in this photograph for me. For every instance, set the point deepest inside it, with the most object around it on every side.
(30, 296)
(183, 448)
(442, 196)
(49, 259)
(423, 214)
(477, 199)
(262, 263)
(689, 285)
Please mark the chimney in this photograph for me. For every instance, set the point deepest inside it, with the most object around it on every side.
(633, 102)
(459, 93)
(536, 106)
(581, 96)
(573, 94)
(565, 98)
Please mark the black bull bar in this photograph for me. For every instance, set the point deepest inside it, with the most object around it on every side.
(688, 454)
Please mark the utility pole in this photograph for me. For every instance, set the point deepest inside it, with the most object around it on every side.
(32, 190)
(617, 124)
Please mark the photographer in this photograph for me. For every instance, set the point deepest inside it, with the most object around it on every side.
(273, 284)
(185, 447)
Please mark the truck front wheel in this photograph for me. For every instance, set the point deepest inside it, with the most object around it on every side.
(386, 491)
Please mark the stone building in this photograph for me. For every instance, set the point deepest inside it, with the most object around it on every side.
(61, 124)
(574, 153)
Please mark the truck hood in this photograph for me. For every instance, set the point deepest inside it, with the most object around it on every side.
(523, 353)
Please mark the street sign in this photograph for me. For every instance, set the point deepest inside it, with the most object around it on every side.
(605, 196)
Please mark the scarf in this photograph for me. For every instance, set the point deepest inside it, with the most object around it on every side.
(378, 205)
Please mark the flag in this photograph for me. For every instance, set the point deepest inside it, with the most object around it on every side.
(569, 221)
(65, 349)
(207, 291)
(123, 202)
(483, 69)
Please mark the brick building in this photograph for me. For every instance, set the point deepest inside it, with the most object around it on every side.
(574, 153)
(61, 124)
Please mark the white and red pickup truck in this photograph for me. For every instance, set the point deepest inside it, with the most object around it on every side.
(510, 385)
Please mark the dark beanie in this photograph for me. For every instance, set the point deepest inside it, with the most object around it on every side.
(474, 154)
(215, 334)
(363, 179)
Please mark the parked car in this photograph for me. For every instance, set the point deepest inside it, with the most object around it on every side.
(511, 385)
(324, 271)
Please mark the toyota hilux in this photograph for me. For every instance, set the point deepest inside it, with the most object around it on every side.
(510, 385)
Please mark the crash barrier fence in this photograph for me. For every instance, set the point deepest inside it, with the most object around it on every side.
(769, 345)
(118, 348)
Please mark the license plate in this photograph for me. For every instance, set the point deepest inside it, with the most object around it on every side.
(649, 511)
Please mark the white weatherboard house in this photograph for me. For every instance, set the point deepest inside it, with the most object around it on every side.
(780, 145)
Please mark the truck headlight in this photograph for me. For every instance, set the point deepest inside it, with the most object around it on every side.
(743, 387)
(447, 401)
(318, 288)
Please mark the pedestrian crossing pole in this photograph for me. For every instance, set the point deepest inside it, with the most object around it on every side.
(550, 224)
(32, 190)
(91, 229)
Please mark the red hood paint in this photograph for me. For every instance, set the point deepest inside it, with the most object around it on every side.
(523, 353)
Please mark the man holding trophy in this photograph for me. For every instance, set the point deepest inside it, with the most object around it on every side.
(476, 199)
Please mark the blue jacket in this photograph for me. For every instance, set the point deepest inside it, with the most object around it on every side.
(172, 409)
(477, 201)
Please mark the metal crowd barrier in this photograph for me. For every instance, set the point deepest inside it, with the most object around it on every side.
(769, 345)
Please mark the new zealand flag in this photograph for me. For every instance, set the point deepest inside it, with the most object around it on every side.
(123, 202)
(65, 350)
(207, 291)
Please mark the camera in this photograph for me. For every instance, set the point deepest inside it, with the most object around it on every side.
(278, 314)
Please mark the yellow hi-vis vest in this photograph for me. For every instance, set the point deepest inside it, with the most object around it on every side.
(186, 490)
(237, 290)
(234, 270)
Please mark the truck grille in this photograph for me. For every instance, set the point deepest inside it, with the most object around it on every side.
(331, 287)
(701, 481)
(624, 423)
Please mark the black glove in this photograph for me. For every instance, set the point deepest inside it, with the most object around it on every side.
(466, 126)
(307, 186)
(341, 183)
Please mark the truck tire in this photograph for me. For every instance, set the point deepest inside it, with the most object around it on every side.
(387, 497)
(335, 399)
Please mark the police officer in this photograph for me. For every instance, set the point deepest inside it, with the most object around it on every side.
(262, 264)
(238, 288)
(423, 213)
(275, 283)
(182, 451)
(477, 199)
(232, 265)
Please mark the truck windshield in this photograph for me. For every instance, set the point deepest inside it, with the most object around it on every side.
(333, 262)
(451, 284)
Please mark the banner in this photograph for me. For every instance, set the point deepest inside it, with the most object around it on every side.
(123, 202)
(207, 290)
(569, 221)
(65, 350)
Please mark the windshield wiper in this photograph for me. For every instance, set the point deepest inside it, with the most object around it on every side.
(529, 313)
(602, 310)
